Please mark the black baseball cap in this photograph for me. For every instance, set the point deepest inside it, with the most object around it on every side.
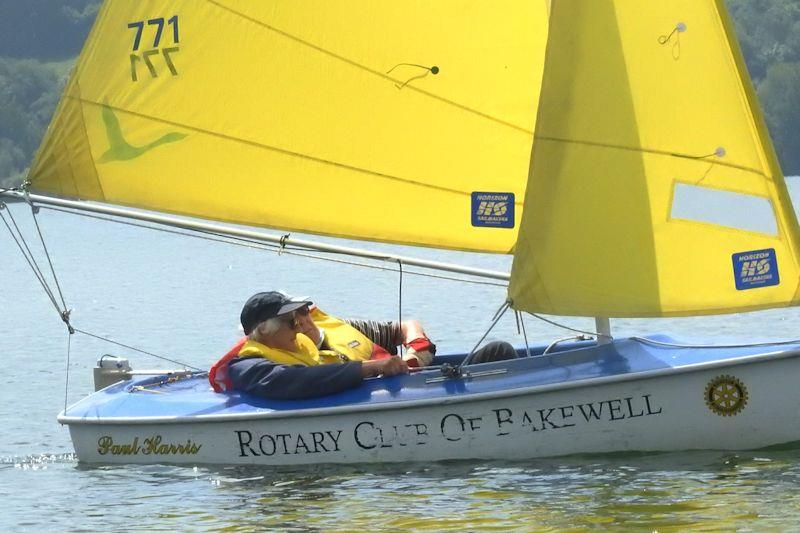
(265, 305)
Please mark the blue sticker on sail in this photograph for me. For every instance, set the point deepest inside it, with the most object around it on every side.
(493, 209)
(758, 268)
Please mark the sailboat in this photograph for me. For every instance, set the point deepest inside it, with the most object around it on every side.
(615, 148)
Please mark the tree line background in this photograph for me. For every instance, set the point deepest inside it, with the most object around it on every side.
(40, 39)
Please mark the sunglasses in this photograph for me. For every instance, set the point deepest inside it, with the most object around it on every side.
(290, 318)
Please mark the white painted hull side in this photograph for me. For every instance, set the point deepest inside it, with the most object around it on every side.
(661, 413)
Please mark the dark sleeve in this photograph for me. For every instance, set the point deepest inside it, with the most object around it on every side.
(288, 382)
(384, 334)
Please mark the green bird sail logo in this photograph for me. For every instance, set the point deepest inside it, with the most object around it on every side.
(122, 150)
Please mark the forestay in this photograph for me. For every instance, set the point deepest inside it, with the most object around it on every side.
(654, 188)
(370, 120)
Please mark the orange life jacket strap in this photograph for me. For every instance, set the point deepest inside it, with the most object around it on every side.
(218, 375)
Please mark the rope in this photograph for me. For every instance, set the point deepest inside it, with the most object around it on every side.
(592, 333)
(676, 47)
(50, 262)
(521, 325)
(138, 350)
(148, 387)
(66, 379)
(64, 313)
(497, 316)
(210, 236)
(248, 243)
(400, 301)
(282, 243)
(432, 70)
(28, 255)
(559, 341)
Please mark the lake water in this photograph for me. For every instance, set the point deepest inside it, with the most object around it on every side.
(180, 297)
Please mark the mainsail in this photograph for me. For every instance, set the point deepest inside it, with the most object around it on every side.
(651, 189)
(389, 121)
(654, 189)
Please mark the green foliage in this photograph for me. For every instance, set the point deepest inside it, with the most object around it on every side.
(33, 33)
(780, 95)
(769, 33)
(29, 91)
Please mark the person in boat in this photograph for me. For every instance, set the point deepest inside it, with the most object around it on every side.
(293, 350)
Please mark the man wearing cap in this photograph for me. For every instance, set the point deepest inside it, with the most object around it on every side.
(292, 351)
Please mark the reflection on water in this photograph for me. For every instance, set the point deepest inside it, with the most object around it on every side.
(665, 492)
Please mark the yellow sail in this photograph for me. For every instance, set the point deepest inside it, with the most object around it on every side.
(403, 122)
(654, 189)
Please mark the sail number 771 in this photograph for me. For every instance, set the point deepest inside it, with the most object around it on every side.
(152, 30)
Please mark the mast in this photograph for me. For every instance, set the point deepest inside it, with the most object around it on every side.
(603, 327)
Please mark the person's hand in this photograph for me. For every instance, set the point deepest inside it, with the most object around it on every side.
(306, 326)
(386, 367)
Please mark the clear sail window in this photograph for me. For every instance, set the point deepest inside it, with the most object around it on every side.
(724, 208)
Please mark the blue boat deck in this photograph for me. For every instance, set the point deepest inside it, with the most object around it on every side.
(155, 396)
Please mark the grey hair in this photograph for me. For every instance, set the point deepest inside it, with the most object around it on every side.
(265, 328)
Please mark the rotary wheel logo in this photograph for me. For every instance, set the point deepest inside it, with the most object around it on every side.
(726, 395)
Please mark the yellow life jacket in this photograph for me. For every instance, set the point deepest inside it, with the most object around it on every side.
(343, 338)
(346, 343)
(306, 353)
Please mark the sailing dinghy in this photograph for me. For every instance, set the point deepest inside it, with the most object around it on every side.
(615, 148)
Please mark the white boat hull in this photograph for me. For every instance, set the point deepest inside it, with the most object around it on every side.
(754, 405)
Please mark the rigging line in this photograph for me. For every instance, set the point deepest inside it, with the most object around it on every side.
(29, 254)
(66, 378)
(138, 350)
(371, 70)
(400, 301)
(645, 340)
(412, 272)
(409, 80)
(247, 243)
(592, 333)
(277, 149)
(524, 334)
(299, 251)
(65, 316)
(31, 261)
(293, 251)
(428, 70)
(642, 149)
(497, 316)
(433, 69)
